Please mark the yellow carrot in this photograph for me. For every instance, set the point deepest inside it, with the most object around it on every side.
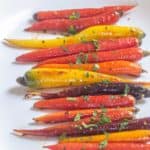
(96, 32)
(50, 78)
(124, 136)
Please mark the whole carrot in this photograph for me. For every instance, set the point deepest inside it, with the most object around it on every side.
(96, 146)
(142, 136)
(97, 32)
(129, 54)
(69, 103)
(78, 13)
(74, 115)
(88, 128)
(74, 26)
(89, 122)
(95, 45)
(119, 67)
(93, 89)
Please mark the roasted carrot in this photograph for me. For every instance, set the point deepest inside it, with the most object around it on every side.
(70, 103)
(129, 54)
(95, 45)
(94, 89)
(90, 122)
(96, 32)
(119, 67)
(74, 26)
(78, 13)
(84, 127)
(142, 136)
(96, 146)
(41, 78)
(75, 115)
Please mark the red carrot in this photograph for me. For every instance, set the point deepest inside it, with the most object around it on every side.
(100, 146)
(84, 102)
(73, 26)
(101, 45)
(104, 118)
(129, 54)
(64, 116)
(78, 13)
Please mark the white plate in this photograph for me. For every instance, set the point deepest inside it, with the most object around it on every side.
(15, 15)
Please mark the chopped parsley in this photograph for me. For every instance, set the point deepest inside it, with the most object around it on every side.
(95, 113)
(77, 117)
(74, 16)
(82, 58)
(62, 136)
(71, 98)
(87, 74)
(86, 126)
(65, 49)
(79, 60)
(104, 119)
(104, 143)
(106, 81)
(86, 97)
(83, 39)
(96, 44)
(126, 89)
(96, 67)
(123, 124)
(72, 30)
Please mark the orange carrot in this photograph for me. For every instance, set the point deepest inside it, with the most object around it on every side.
(119, 67)
(63, 116)
(97, 146)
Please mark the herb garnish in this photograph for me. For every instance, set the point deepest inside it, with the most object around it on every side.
(87, 74)
(106, 81)
(74, 16)
(71, 98)
(104, 143)
(96, 44)
(123, 124)
(86, 126)
(72, 30)
(62, 136)
(96, 67)
(65, 49)
(126, 89)
(95, 113)
(77, 117)
(85, 97)
(104, 119)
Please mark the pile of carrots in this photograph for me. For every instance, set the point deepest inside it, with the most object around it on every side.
(96, 107)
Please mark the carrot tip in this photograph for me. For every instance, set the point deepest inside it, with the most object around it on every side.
(35, 16)
(144, 71)
(17, 132)
(21, 81)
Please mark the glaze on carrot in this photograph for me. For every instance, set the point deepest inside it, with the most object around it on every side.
(119, 67)
(69, 127)
(80, 13)
(95, 45)
(97, 146)
(129, 54)
(64, 116)
(70, 103)
(86, 128)
(74, 26)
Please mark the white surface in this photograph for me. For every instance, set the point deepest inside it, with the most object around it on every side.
(14, 16)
